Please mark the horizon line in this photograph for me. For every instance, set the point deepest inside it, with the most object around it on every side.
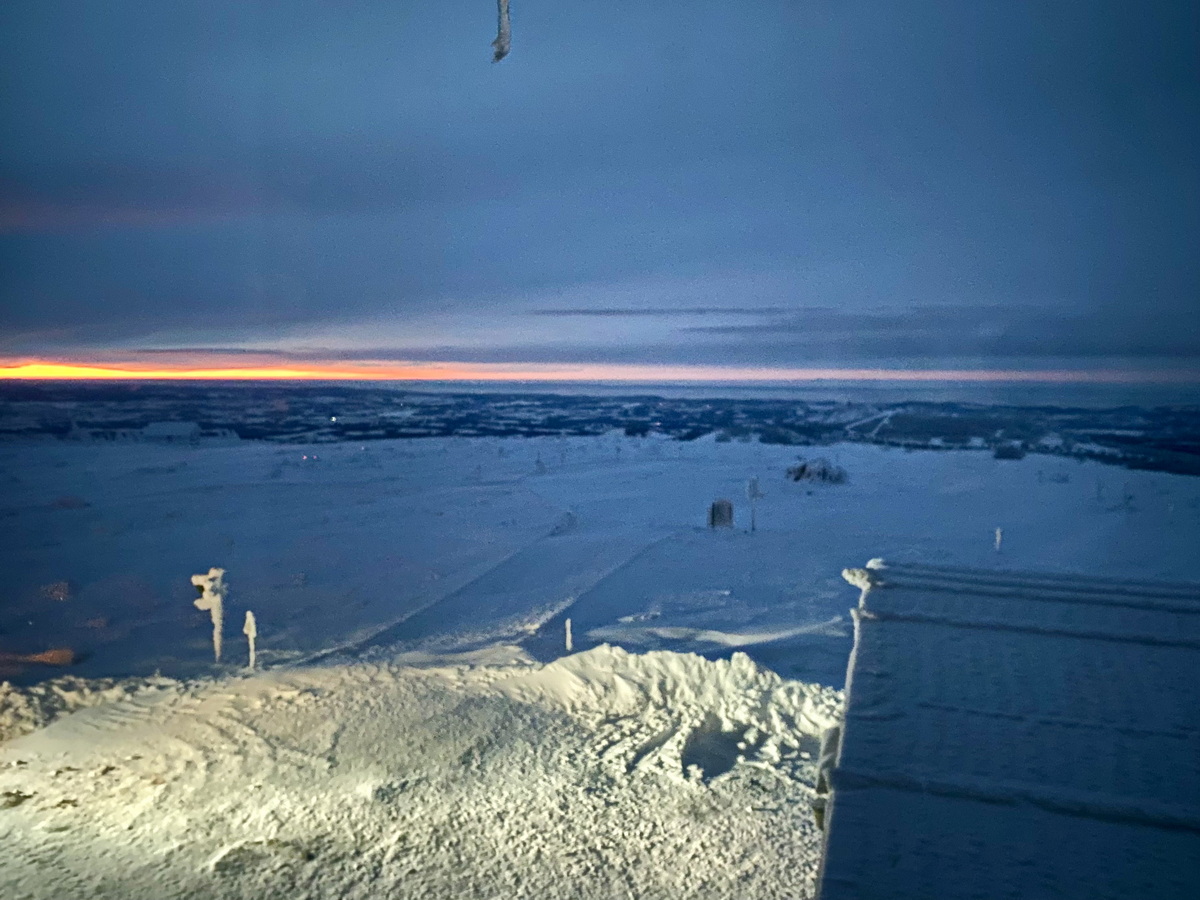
(42, 370)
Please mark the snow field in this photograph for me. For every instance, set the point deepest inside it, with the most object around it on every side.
(462, 542)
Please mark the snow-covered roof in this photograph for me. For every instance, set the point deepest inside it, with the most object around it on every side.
(1017, 735)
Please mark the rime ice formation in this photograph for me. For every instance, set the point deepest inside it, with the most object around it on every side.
(250, 630)
(212, 598)
(503, 42)
(863, 579)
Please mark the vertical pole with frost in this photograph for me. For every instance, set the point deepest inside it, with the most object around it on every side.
(570, 643)
(212, 597)
(250, 630)
(999, 538)
(753, 494)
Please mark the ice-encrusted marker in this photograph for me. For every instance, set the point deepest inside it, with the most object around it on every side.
(570, 643)
(999, 538)
(250, 630)
(212, 596)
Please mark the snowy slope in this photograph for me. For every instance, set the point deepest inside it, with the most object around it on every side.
(569, 780)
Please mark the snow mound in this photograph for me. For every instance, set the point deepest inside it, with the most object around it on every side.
(681, 713)
(469, 781)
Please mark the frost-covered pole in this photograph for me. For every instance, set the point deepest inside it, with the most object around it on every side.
(753, 494)
(999, 538)
(570, 643)
(212, 598)
(503, 42)
(250, 630)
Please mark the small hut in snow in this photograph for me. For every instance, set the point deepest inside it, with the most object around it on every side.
(720, 514)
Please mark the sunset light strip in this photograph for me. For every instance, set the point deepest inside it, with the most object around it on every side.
(423, 371)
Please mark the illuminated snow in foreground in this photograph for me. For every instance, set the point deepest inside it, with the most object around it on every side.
(605, 774)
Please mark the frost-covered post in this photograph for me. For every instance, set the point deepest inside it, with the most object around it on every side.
(570, 643)
(999, 538)
(212, 598)
(250, 630)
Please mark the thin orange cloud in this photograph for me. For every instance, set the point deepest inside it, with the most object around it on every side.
(421, 371)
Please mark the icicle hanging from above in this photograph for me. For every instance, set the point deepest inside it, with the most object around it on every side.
(503, 42)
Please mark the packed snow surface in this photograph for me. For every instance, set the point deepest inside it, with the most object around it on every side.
(604, 774)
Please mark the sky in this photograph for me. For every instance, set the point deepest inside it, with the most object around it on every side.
(750, 187)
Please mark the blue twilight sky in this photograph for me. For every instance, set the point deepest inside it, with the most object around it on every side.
(915, 183)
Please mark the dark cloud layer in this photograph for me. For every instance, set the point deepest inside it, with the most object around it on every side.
(921, 180)
(637, 312)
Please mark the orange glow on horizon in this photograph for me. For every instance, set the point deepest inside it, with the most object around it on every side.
(77, 371)
(421, 371)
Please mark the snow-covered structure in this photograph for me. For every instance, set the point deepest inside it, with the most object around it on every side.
(821, 470)
(1017, 735)
(720, 514)
(172, 432)
(119, 435)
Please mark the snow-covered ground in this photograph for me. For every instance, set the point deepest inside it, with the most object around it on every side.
(445, 543)
(603, 775)
(427, 735)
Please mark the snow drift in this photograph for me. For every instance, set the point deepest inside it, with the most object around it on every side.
(364, 780)
(678, 712)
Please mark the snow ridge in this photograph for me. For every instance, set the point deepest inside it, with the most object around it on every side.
(681, 713)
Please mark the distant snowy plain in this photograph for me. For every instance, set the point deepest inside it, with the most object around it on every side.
(416, 732)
